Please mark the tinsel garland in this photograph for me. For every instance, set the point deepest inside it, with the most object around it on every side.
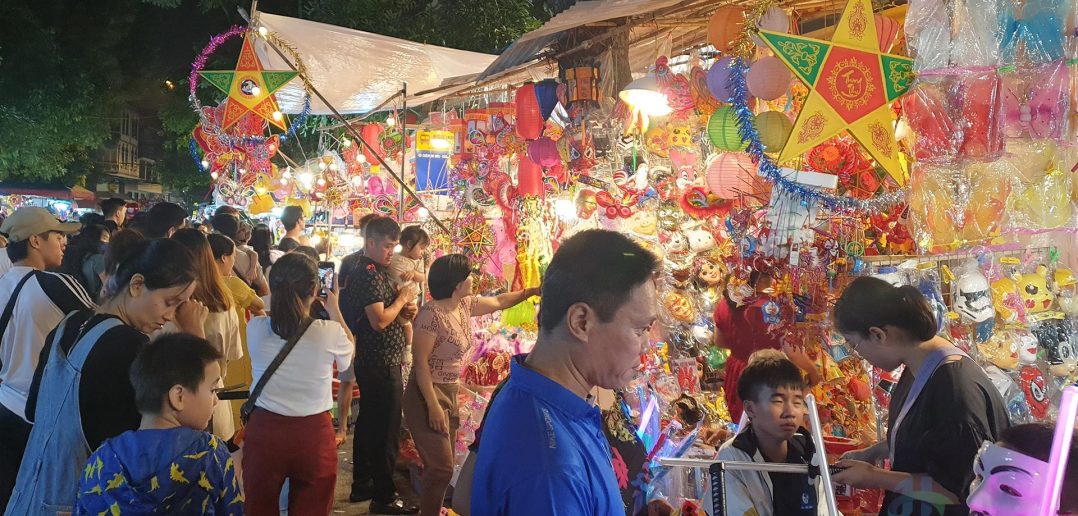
(773, 173)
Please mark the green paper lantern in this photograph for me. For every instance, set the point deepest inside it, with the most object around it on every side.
(774, 128)
(722, 129)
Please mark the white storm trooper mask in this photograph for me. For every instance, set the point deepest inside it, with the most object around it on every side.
(973, 298)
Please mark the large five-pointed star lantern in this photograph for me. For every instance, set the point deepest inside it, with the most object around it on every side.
(249, 88)
(852, 85)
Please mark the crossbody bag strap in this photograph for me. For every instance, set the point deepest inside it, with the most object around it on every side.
(9, 310)
(277, 360)
(923, 374)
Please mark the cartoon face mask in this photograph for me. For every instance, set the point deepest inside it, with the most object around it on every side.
(973, 299)
(1006, 482)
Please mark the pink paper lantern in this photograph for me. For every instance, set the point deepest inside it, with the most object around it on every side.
(529, 116)
(544, 152)
(530, 178)
(730, 174)
(768, 78)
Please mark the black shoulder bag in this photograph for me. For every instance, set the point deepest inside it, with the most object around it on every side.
(249, 405)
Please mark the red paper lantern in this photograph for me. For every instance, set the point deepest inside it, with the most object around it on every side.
(529, 116)
(543, 152)
(530, 178)
(372, 134)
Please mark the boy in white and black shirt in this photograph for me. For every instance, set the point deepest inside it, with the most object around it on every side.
(33, 302)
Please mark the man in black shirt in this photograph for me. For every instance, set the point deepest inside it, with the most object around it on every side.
(373, 307)
(115, 212)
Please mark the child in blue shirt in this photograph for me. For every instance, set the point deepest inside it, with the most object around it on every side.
(169, 465)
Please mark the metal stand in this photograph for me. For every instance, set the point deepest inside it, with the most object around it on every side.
(718, 469)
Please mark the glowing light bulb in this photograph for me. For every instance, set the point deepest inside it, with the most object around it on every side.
(278, 116)
(213, 175)
(321, 182)
(321, 165)
(333, 167)
(565, 209)
(346, 143)
(361, 158)
(205, 164)
(287, 174)
(391, 121)
(397, 249)
(423, 213)
(262, 31)
(261, 190)
(357, 181)
(256, 91)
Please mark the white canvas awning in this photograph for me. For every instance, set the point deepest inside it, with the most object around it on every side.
(355, 70)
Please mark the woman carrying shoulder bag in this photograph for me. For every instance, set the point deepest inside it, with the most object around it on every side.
(289, 433)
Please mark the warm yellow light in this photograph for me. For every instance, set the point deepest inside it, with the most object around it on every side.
(644, 94)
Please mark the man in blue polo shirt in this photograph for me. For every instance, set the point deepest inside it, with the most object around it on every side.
(543, 450)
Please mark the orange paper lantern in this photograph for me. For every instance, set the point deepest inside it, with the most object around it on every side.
(725, 26)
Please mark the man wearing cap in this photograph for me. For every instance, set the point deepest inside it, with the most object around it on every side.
(33, 303)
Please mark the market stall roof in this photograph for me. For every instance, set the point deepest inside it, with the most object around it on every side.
(76, 193)
(682, 21)
(355, 70)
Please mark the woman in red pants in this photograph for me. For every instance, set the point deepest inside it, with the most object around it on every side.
(290, 433)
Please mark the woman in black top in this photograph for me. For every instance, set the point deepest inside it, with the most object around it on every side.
(150, 286)
(935, 425)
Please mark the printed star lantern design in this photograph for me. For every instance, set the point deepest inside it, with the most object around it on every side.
(249, 88)
(851, 86)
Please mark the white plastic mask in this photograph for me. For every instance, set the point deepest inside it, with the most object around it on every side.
(1006, 482)
(973, 299)
(1027, 349)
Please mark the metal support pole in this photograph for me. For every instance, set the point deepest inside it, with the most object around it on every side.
(404, 149)
(355, 134)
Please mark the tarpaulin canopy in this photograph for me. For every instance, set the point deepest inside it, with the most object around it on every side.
(355, 70)
(75, 193)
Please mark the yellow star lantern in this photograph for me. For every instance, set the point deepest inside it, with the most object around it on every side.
(851, 87)
(249, 88)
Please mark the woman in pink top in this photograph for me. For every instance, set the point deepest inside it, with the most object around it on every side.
(442, 337)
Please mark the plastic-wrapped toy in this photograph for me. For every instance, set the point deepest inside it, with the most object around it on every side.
(955, 117)
(1046, 203)
(1033, 31)
(1065, 287)
(1000, 350)
(1033, 296)
(1035, 102)
(972, 300)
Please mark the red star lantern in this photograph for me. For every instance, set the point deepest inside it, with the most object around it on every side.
(249, 88)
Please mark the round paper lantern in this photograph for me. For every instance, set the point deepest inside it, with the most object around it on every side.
(543, 152)
(725, 26)
(774, 128)
(529, 117)
(886, 32)
(718, 79)
(729, 174)
(546, 92)
(722, 129)
(529, 178)
(768, 78)
(372, 134)
(774, 19)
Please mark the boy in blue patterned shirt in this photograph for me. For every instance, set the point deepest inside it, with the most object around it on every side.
(169, 465)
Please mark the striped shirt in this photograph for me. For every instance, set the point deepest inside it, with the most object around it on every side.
(43, 302)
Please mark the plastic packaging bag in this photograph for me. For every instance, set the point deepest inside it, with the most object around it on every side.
(1036, 103)
(1033, 30)
(954, 116)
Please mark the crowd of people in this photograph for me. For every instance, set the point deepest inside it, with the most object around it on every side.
(113, 350)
